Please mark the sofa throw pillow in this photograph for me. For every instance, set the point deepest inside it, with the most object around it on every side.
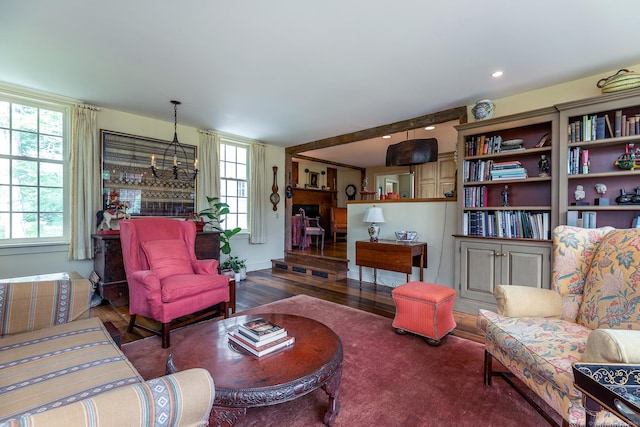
(612, 286)
(167, 257)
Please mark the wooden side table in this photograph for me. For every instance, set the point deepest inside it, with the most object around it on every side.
(391, 255)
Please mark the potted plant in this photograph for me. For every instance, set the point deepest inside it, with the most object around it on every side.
(214, 218)
(238, 266)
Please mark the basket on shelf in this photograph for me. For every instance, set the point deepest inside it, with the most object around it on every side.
(622, 80)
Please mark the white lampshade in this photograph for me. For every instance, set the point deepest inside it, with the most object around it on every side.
(373, 214)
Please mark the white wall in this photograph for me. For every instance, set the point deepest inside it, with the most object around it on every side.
(435, 222)
(28, 261)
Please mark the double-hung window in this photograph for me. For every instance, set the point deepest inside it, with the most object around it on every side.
(32, 171)
(234, 182)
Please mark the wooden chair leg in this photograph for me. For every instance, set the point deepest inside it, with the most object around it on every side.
(224, 306)
(132, 323)
(322, 247)
(488, 367)
(334, 236)
(166, 329)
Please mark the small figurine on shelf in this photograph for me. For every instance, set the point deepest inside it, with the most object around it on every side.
(601, 189)
(543, 165)
(579, 194)
(505, 195)
(364, 184)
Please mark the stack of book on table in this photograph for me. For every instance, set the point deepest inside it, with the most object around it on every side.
(260, 337)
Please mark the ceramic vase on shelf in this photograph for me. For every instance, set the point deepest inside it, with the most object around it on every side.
(483, 109)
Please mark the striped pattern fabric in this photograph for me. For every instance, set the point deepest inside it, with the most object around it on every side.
(37, 302)
(62, 364)
(183, 399)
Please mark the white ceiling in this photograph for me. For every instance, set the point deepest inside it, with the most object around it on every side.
(288, 72)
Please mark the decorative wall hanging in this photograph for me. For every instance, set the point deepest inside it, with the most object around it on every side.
(275, 197)
(126, 161)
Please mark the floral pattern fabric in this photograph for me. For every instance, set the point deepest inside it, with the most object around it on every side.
(612, 289)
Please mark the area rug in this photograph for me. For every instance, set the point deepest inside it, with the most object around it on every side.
(388, 379)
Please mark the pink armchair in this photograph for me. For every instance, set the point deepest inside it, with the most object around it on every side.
(165, 279)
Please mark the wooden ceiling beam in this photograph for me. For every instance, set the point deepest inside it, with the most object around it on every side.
(458, 113)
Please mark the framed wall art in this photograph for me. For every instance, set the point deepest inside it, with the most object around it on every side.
(127, 176)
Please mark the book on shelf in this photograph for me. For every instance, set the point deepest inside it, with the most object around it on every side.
(261, 329)
(268, 348)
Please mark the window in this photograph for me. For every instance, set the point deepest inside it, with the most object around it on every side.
(234, 185)
(32, 152)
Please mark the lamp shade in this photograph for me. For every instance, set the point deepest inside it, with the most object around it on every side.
(373, 214)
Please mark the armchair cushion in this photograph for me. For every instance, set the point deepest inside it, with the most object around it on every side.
(182, 286)
(611, 289)
(167, 257)
(525, 301)
(612, 346)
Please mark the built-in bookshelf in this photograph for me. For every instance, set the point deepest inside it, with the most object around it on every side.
(506, 177)
(597, 132)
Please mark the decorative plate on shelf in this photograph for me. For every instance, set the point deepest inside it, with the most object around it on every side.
(512, 143)
(483, 109)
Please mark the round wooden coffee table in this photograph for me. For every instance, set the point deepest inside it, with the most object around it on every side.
(244, 381)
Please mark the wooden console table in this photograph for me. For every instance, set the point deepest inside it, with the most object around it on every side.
(391, 255)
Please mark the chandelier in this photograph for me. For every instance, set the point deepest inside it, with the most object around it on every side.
(180, 170)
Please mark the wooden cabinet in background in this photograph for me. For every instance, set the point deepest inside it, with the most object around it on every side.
(437, 178)
(107, 262)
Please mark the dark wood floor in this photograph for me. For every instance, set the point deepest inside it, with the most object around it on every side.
(263, 286)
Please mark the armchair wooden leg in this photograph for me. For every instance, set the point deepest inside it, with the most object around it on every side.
(132, 323)
(334, 236)
(224, 306)
(166, 329)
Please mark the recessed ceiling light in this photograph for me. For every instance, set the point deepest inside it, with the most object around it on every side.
(497, 74)
(387, 136)
(430, 128)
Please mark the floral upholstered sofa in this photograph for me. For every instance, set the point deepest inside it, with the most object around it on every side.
(591, 314)
(60, 367)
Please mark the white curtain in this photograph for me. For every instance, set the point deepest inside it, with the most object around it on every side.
(209, 160)
(85, 180)
(259, 194)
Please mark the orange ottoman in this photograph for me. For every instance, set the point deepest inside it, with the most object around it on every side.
(424, 309)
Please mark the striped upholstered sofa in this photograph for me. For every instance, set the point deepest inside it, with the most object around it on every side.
(60, 367)
(591, 314)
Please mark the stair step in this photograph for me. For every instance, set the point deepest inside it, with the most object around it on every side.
(306, 268)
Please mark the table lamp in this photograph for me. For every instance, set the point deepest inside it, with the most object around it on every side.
(373, 215)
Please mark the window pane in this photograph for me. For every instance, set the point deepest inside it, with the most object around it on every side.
(232, 188)
(50, 147)
(233, 204)
(24, 144)
(5, 142)
(4, 171)
(25, 118)
(242, 155)
(230, 151)
(5, 198)
(25, 199)
(24, 225)
(4, 114)
(241, 172)
(243, 205)
(242, 188)
(51, 224)
(4, 225)
(51, 174)
(51, 200)
(24, 172)
(51, 122)
(242, 221)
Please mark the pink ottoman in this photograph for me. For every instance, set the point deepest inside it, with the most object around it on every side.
(424, 309)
